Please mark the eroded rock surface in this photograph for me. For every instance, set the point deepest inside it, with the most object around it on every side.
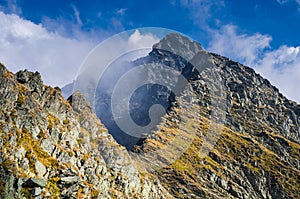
(53, 148)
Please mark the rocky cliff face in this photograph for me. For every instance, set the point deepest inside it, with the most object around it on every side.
(50, 149)
(227, 134)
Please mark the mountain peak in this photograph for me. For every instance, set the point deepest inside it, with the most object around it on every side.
(179, 45)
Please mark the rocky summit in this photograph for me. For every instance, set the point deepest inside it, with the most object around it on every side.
(226, 133)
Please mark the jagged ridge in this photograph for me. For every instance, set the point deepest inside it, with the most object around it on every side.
(51, 149)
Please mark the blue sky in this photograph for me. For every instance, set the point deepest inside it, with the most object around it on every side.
(55, 36)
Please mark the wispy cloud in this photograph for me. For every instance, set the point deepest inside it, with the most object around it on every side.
(121, 11)
(11, 7)
(239, 46)
(24, 44)
(281, 66)
(71, 29)
(117, 23)
(201, 10)
(282, 2)
(77, 15)
(298, 2)
(286, 1)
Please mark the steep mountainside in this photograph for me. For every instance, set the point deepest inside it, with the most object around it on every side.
(50, 149)
(256, 154)
(227, 133)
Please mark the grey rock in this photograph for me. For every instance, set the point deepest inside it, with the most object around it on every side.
(36, 191)
(35, 182)
(70, 180)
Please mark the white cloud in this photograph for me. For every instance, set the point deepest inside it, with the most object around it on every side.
(125, 46)
(140, 40)
(24, 44)
(142, 43)
(242, 47)
(281, 66)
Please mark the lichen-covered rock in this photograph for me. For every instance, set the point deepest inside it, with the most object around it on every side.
(51, 149)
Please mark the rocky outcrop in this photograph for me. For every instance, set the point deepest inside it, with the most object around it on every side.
(51, 149)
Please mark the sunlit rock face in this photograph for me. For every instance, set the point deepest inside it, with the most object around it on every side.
(53, 148)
